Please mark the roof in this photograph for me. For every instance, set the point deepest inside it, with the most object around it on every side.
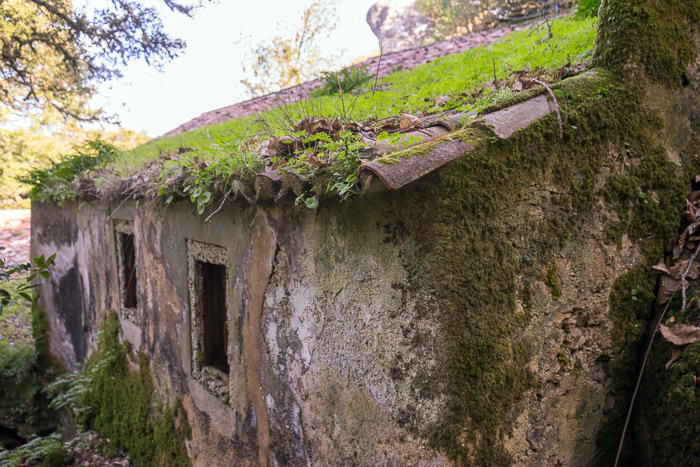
(383, 65)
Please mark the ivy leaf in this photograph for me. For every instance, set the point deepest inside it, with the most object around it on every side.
(311, 203)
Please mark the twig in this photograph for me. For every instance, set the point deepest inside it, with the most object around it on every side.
(376, 75)
(223, 200)
(115, 211)
(556, 105)
(684, 283)
(495, 79)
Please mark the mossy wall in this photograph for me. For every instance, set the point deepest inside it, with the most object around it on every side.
(124, 407)
(491, 313)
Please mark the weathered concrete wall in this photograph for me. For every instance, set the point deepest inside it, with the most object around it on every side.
(336, 350)
(322, 326)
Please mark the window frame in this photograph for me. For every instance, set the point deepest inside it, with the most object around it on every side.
(131, 314)
(211, 377)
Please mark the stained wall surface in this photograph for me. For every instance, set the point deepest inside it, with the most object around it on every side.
(337, 342)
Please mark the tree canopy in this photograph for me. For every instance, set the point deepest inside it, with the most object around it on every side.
(52, 54)
(292, 59)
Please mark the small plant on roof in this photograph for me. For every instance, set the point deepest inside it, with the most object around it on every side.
(346, 80)
(66, 179)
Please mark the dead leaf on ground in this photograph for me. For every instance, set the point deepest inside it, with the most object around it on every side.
(442, 100)
(410, 121)
(676, 251)
(667, 287)
(690, 211)
(680, 334)
(313, 125)
(660, 268)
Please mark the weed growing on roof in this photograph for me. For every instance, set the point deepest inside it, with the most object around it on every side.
(208, 163)
(61, 180)
(346, 80)
(407, 91)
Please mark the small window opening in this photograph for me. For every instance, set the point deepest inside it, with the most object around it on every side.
(213, 299)
(129, 264)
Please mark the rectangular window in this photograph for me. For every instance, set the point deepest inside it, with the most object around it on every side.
(129, 265)
(208, 284)
(213, 301)
(127, 259)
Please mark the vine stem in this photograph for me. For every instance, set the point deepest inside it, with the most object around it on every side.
(556, 105)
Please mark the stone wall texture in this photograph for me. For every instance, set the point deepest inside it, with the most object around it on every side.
(336, 349)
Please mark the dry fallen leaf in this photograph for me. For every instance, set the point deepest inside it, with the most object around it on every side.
(660, 268)
(410, 121)
(691, 211)
(667, 287)
(680, 334)
(442, 100)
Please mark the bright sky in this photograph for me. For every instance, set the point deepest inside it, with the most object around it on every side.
(207, 75)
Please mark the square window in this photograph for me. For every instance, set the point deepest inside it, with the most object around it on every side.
(128, 277)
(209, 292)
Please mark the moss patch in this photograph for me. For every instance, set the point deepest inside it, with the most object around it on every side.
(675, 412)
(123, 407)
(483, 247)
(551, 279)
(651, 36)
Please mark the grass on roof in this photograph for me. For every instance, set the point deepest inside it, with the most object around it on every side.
(210, 160)
(410, 91)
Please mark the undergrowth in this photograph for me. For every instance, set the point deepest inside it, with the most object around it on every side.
(120, 405)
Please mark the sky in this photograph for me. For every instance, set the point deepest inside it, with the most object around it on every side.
(206, 76)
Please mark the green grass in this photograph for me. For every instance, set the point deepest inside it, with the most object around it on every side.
(407, 90)
(208, 162)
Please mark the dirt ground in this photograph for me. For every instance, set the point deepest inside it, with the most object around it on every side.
(14, 235)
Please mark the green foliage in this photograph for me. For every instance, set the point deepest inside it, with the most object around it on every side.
(346, 80)
(58, 182)
(41, 143)
(46, 449)
(649, 198)
(121, 406)
(25, 272)
(648, 38)
(410, 91)
(675, 405)
(58, 53)
(208, 163)
(587, 8)
(22, 403)
(16, 363)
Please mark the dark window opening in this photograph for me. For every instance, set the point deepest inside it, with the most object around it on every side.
(213, 295)
(129, 265)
